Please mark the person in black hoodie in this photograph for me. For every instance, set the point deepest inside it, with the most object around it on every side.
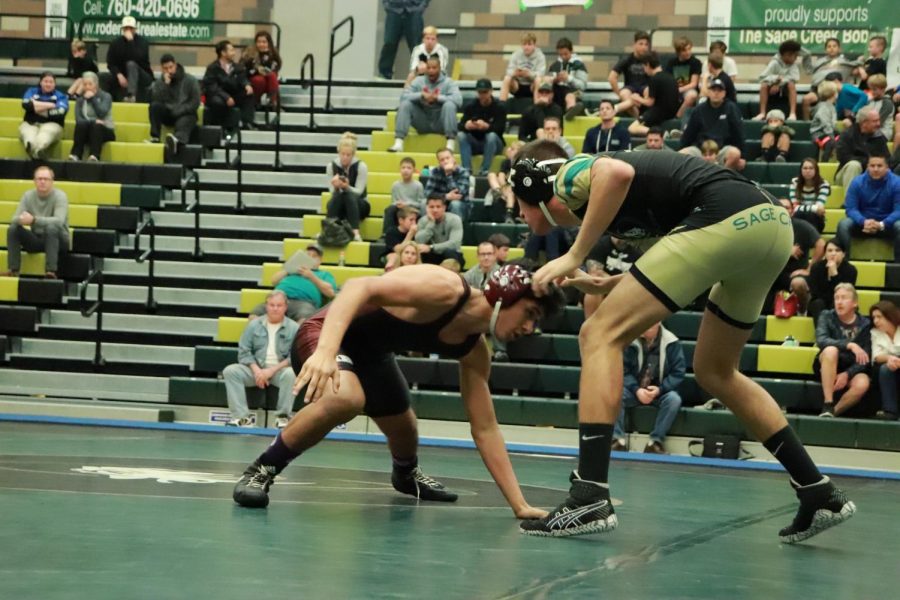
(481, 128)
(128, 61)
(718, 119)
(79, 63)
(174, 99)
(226, 87)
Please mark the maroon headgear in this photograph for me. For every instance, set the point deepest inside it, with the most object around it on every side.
(507, 285)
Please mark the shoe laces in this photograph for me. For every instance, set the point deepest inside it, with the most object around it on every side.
(261, 478)
(423, 479)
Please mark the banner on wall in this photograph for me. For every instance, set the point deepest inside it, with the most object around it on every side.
(180, 20)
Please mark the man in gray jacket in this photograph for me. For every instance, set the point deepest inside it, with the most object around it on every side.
(46, 210)
(174, 99)
(429, 104)
(440, 234)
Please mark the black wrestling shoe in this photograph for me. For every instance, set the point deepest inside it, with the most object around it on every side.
(252, 490)
(418, 484)
(821, 506)
(588, 509)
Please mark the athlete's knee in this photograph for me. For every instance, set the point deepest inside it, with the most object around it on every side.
(600, 331)
(340, 408)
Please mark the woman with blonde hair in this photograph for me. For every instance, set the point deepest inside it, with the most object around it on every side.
(408, 254)
(349, 176)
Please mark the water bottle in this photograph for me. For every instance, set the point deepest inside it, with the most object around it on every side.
(790, 342)
(341, 259)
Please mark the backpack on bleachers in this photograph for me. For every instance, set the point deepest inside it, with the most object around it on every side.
(335, 232)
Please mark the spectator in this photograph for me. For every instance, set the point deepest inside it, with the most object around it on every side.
(307, 290)
(405, 192)
(45, 210)
(450, 183)
(478, 275)
(499, 183)
(849, 99)
(714, 70)
(262, 62)
(79, 63)
(45, 112)
(660, 99)
(264, 359)
(440, 234)
(532, 122)
(636, 78)
(501, 243)
(481, 128)
(654, 368)
(609, 135)
(611, 256)
(429, 104)
(655, 141)
(775, 142)
(779, 79)
(524, 71)
(128, 61)
(569, 78)
(843, 338)
(728, 64)
(349, 177)
(718, 119)
(808, 193)
(873, 205)
(402, 18)
(877, 85)
(428, 48)
(406, 256)
(553, 132)
(825, 275)
(874, 64)
(401, 234)
(885, 318)
(686, 69)
(93, 119)
(833, 62)
(229, 95)
(174, 100)
(709, 151)
(793, 277)
(824, 119)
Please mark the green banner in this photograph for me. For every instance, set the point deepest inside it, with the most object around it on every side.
(157, 19)
(770, 22)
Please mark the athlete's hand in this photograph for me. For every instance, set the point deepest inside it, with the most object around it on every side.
(530, 512)
(315, 373)
(558, 268)
(597, 283)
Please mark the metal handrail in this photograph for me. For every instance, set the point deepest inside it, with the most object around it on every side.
(205, 44)
(149, 254)
(95, 308)
(194, 206)
(309, 58)
(332, 53)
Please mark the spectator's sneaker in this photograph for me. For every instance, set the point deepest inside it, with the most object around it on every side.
(500, 356)
(451, 145)
(821, 506)
(577, 110)
(281, 421)
(827, 410)
(172, 144)
(885, 415)
(654, 447)
(416, 483)
(92, 158)
(252, 489)
(619, 445)
(129, 98)
(242, 422)
(714, 404)
(152, 140)
(587, 510)
(675, 134)
(780, 158)
(72, 157)
(397, 147)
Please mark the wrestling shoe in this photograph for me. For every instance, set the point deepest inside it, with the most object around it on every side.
(821, 506)
(416, 483)
(252, 490)
(588, 509)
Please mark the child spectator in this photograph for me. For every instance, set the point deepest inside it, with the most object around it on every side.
(636, 79)
(526, 66)
(833, 62)
(661, 98)
(569, 78)
(450, 182)
(349, 176)
(501, 243)
(779, 79)
(808, 194)
(407, 192)
(885, 318)
(775, 142)
(824, 119)
(686, 69)
(875, 64)
(499, 183)
(825, 275)
(728, 64)
(714, 70)
(849, 99)
(263, 62)
(79, 63)
(884, 105)
(609, 135)
(403, 232)
(428, 48)
(709, 151)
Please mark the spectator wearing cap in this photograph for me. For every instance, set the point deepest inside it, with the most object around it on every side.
(609, 135)
(569, 78)
(856, 143)
(718, 119)
(481, 128)
(307, 289)
(775, 142)
(714, 69)
(873, 205)
(429, 104)
(532, 124)
(128, 61)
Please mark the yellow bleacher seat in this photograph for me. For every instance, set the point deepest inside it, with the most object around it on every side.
(871, 249)
(355, 253)
(230, 329)
(389, 162)
(797, 360)
(378, 202)
(470, 253)
(801, 328)
(833, 216)
(341, 274)
(80, 215)
(7, 210)
(867, 298)
(9, 288)
(828, 170)
(869, 274)
(250, 297)
(77, 192)
(369, 228)
(381, 183)
(32, 264)
(836, 199)
(125, 132)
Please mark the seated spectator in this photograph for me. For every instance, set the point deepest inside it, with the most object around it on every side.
(93, 119)
(849, 99)
(885, 318)
(824, 119)
(349, 177)
(440, 234)
(873, 205)
(709, 151)
(714, 70)
(407, 192)
(656, 140)
(481, 128)
(609, 135)
(718, 119)
(660, 99)
(229, 95)
(553, 131)
(128, 61)
(45, 113)
(833, 62)
(825, 275)
(793, 277)
(45, 210)
(569, 78)
(501, 243)
(779, 80)
(842, 365)
(450, 182)
(882, 103)
(477, 277)
(407, 255)
(79, 63)
(429, 104)
(775, 142)
(686, 69)
(264, 359)
(524, 71)
(728, 64)
(610, 256)
(498, 183)
(808, 193)
(400, 235)
(429, 47)
(532, 122)
(636, 78)
(856, 143)
(874, 64)
(262, 62)
(307, 290)
(174, 100)
(654, 368)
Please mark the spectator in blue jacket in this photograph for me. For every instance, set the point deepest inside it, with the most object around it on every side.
(873, 205)
(654, 368)
(45, 112)
(609, 135)
(849, 99)
(450, 183)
